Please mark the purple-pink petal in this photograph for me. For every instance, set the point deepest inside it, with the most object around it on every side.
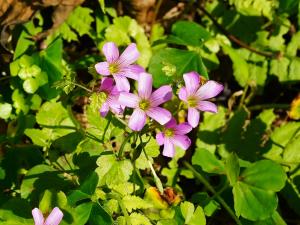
(107, 84)
(111, 51)
(102, 68)
(129, 56)
(192, 81)
(160, 138)
(161, 115)
(122, 83)
(161, 95)
(145, 85)
(169, 149)
(209, 90)
(137, 120)
(37, 216)
(183, 128)
(133, 71)
(207, 106)
(182, 141)
(183, 94)
(171, 124)
(193, 117)
(128, 99)
(104, 109)
(55, 217)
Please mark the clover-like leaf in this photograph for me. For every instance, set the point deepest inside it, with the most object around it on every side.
(254, 192)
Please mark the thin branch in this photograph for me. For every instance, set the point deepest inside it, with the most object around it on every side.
(235, 39)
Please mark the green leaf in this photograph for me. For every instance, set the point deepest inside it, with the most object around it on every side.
(76, 196)
(232, 168)
(113, 172)
(5, 110)
(240, 66)
(30, 85)
(198, 218)
(90, 184)
(254, 193)
(187, 210)
(134, 202)
(15, 212)
(80, 20)
(99, 216)
(184, 61)
(40, 178)
(208, 161)
(38, 137)
(139, 219)
(188, 33)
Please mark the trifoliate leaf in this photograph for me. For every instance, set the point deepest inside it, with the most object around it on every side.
(254, 193)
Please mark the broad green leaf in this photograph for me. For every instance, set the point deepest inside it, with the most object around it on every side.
(187, 210)
(15, 212)
(80, 20)
(208, 161)
(39, 137)
(40, 178)
(198, 218)
(184, 61)
(240, 66)
(254, 193)
(232, 168)
(291, 152)
(76, 196)
(134, 202)
(112, 171)
(30, 85)
(138, 219)
(90, 184)
(188, 33)
(99, 216)
(5, 110)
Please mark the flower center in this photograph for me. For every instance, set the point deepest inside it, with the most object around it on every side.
(144, 104)
(192, 101)
(169, 132)
(113, 68)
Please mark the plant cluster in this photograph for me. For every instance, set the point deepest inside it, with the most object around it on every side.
(191, 118)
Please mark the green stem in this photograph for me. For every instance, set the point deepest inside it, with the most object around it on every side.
(123, 145)
(156, 178)
(269, 106)
(106, 127)
(243, 96)
(81, 86)
(212, 190)
(93, 137)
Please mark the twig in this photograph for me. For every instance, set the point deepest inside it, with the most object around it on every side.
(235, 39)
(156, 10)
(212, 190)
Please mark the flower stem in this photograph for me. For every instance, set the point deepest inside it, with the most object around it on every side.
(212, 190)
(156, 178)
(123, 145)
(106, 127)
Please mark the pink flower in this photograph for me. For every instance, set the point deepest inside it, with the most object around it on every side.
(174, 135)
(146, 103)
(195, 94)
(111, 95)
(53, 219)
(120, 66)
